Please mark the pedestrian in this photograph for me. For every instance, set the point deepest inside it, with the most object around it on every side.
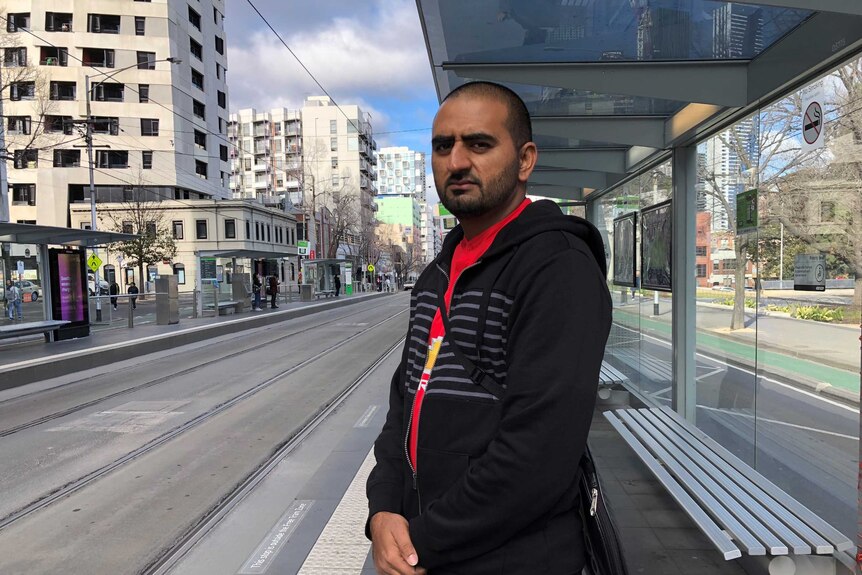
(256, 286)
(13, 300)
(379, 283)
(114, 290)
(477, 464)
(273, 291)
(337, 282)
(387, 284)
(133, 291)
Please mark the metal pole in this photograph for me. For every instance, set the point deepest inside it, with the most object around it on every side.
(4, 182)
(97, 286)
(781, 260)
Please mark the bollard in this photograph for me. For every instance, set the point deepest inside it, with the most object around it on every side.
(131, 314)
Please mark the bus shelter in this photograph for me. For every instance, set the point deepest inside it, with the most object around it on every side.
(49, 264)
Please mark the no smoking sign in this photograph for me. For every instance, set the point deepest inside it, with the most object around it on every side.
(812, 117)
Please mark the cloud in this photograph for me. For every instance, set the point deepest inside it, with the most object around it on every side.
(357, 58)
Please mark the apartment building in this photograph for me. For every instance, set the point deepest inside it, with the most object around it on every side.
(401, 171)
(157, 73)
(266, 155)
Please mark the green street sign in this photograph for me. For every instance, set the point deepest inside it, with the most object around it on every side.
(746, 211)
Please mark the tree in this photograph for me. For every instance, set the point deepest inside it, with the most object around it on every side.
(345, 225)
(141, 213)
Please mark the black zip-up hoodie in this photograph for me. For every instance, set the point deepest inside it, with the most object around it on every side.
(495, 491)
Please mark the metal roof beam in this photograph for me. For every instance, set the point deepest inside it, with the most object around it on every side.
(626, 130)
(593, 159)
(574, 178)
(719, 82)
(822, 41)
(852, 7)
(557, 192)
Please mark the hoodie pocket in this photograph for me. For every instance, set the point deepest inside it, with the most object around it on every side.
(438, 471)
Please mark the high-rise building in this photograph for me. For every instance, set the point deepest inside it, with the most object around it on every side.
(431, 233)
(401, 172)
(266, 155)
(731, 173)
(737, 31)
(158, 124)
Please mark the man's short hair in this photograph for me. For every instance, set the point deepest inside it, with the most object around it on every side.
(518, 120)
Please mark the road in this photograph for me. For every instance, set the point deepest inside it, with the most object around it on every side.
(151, 446)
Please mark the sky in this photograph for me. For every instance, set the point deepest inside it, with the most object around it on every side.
(370, 53)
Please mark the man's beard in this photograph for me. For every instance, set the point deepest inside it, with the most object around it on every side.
(492, 195)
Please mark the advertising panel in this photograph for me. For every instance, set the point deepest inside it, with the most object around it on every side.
(624, 250)
(68, 273)
(656, 247)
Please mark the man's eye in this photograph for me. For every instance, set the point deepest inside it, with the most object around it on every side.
(441, 147)
(482, 146)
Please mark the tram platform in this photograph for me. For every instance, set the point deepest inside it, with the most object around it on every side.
(308, 515)
(32, 360)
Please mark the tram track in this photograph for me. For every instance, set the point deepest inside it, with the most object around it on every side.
(187, 371)
(87, 479)
(169, 557)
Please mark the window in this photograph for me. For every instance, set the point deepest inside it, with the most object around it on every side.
(140, 25)
(128, 227)
(112, 159)
(146, 60)
(106, 125)
(247, 230)
(230, 229)
(22, 90)
(201, 229)
(222, 126)
(218, 70)
(108, 92)
(26, 159)
(257, 231)
(147, 159)
(334, 163)
(333, 144)
(222, 99)
(149, 127)
(333, 126)
(701, 270)
(194, 18)
(219, 45)
(24, 194)
(62, 90)
(199, 109)
(180, 272)
(201, 169)
(334, 180)
(196, 49)
(268, 233)
(98, 57)
(143, 93)
(67, 158)
(215, 15)
(150, 229)
(827, 212)
(18, 125)
(103, 23)
(13, 57)
(177, 229)
(197, 79)
(58, 22)
(700, 251)
(16, 21)
(200, 140)
(223, 153)
(57, 124)
(53, 56)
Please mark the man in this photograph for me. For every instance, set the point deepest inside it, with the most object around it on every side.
(273, 291)
(133, 291)
(114, 290)
(13, 300)
(469, 480)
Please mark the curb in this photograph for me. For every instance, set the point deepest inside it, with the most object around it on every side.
(16, 375)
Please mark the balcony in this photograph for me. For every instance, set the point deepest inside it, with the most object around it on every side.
(262, 167)
(262, 185)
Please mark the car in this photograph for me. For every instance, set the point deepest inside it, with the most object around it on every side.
(28, 287)
(91, 286)
(409, 284)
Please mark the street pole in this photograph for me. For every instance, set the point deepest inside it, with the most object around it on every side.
(781, 260)
(4, 181)
(97, 286)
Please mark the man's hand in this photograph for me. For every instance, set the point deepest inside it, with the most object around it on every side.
(391, 547)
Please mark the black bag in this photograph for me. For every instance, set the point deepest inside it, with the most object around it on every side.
(602, 541)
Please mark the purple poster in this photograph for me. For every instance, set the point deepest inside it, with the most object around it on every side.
(71, 291)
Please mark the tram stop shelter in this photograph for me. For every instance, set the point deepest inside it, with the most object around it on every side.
(57, 269)
(670, 111)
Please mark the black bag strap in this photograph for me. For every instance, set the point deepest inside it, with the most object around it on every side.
(477, 374)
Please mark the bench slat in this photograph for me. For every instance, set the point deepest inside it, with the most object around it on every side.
(816, 529)
(729, 494)
(715, 533)
(704, 498)
(609, 375)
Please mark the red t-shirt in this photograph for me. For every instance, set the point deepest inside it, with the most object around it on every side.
(467, 252)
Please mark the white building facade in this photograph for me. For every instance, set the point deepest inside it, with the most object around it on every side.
(401, 172)
(157, 124)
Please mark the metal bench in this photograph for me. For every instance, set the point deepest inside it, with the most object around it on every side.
(610, 376)
(31, 328)
(324, 293)
(739, 510)
(229, 307)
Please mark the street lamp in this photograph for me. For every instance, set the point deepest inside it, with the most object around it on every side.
(89, 140)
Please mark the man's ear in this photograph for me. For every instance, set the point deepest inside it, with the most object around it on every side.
(527, 158)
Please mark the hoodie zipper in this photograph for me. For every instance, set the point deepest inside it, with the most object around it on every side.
(413, 406)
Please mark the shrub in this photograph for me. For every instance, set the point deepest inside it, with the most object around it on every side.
(728, 301)
(818, 313)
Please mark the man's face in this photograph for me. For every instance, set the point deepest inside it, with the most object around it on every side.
(476, 165)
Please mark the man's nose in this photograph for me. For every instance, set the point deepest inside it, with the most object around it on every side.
(459, 158)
